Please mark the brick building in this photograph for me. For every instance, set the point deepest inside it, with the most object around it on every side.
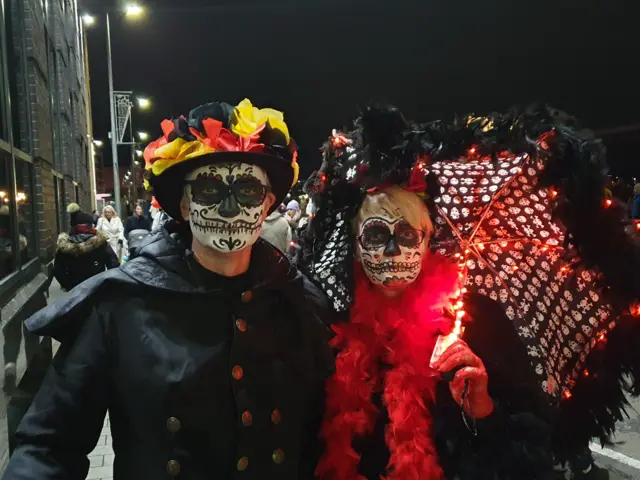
(45, 163)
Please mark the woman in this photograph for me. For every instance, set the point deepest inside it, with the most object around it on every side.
(83, 252)
(397, 406)
(111, 225)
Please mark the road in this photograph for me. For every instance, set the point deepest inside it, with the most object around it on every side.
(626, 464)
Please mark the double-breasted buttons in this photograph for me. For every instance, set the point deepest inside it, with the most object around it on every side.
(247, 296)
(241, 325)
(242, 464)
(247, 418)
(173, 468)
(278, 456)
(237, 372)
(173, 424)
(276, 417)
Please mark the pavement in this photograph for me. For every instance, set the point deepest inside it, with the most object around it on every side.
(101, 459)
(622, 460)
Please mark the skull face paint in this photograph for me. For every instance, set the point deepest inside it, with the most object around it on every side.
(227, 205)
(391, 250)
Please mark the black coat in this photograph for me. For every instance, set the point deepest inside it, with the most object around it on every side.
(79, 257)
(202, 375)
(136, 222)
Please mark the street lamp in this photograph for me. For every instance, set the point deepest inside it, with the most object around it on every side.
(88, 20)
(143, 136)
(98, 143)
(133, 10)
(143, 103)
(139, 153)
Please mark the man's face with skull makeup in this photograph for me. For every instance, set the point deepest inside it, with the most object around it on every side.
(390, 249)
(227, 204)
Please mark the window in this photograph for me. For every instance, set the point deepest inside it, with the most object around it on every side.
(7, 236)
(17, 59)
(27, 220)
(3, 92)
(54, 101)
(56, 194)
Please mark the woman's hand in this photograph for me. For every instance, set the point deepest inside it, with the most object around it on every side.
(478, 403)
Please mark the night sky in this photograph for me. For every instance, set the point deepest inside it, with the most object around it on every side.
(317, 60)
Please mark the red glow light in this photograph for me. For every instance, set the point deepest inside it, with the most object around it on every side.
(567, 394)
(472, 150)
(608, 202)
(554, 193)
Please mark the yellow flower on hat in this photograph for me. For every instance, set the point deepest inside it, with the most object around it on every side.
(177, 151)
(247, 119)
(296, 169)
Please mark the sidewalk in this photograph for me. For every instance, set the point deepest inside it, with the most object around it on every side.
(102, 457)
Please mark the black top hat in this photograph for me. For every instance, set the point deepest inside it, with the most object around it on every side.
(218, 133)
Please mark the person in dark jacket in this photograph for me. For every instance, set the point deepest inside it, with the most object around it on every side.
(208, 350)
(137, 221)
(430, 383)
(83, 252)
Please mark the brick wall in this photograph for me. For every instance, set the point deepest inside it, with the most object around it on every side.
(55, 75)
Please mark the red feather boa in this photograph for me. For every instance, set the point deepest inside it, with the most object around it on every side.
(400, 332)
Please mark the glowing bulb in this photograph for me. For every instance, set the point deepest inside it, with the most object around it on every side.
(608, 202)
(472, 150)
(133, 10)
(88, 20)
(554, 193)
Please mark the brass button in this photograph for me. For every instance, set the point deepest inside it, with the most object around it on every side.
(173, 468)
(278, 456)
(247, 418)
(241, 325)
(276, 417)
(237, 372)
(173, 424)
(247, 296)
(243, 463)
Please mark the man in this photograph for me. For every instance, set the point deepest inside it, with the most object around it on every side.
(210, 360)
(137, 221)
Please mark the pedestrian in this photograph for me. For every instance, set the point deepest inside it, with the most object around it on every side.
(276, 231)
(111, 225)
(83, 252)
(137, 221)
(96, 217)
(293, 214)
(158, 215)
(208, 350)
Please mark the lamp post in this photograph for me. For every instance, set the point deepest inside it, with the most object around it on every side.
(114, 131)
(131, 10)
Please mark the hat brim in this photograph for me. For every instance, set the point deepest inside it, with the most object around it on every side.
(168, 188)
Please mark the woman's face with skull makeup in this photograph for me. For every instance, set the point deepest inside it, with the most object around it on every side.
(227, 204)
(390, 249)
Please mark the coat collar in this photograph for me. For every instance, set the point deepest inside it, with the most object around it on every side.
(164, 262)
(77, 245)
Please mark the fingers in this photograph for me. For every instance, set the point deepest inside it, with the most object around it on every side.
(459, 354)
(475, 376)
(456, 346)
